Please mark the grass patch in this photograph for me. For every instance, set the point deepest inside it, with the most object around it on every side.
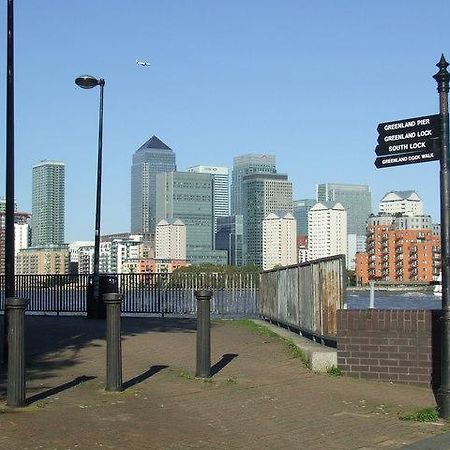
(231, 380)
(334, 371)
(260, 329)
(185, 375)
(289, 344)
(422, 415)
(296, 352)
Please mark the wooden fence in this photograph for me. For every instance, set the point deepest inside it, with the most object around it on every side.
(306, 296)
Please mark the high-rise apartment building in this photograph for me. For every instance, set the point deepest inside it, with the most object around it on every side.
(279, 240)
(151, 158)
(327, 230)
(301, 209)
(170, 239)
(221, 189)
(355, 198)
(407, 203)
(188, 196)
(245, 165)
(262, 194)
(48, 200)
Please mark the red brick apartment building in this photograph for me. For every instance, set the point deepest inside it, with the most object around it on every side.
(399, 256)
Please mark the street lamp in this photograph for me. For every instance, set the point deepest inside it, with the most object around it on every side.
(89, 82)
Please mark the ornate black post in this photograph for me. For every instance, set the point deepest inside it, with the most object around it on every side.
(203, 297)
(113, 342)
(442, 78)
(15, 308)
(9, 212)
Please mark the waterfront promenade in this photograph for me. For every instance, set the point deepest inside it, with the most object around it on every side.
(259, 397)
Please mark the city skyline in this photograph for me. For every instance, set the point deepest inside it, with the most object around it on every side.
(375, 202)
(227, 79)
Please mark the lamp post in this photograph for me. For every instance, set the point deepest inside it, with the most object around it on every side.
(89, 82)
(9, 211)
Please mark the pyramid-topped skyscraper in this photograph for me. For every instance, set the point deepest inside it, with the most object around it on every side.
(153, 157)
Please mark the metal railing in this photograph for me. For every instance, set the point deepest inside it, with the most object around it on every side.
(306, 296)
(234, 294)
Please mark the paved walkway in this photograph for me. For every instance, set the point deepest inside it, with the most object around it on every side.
(258, 398)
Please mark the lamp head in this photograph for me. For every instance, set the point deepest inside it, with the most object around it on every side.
(87, 81)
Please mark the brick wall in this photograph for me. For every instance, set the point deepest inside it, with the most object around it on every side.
(391, 345)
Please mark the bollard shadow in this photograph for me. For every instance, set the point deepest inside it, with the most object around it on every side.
(143, 376)
(225, 360)
(58, 389)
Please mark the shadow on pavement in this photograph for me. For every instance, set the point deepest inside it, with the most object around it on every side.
(47, 338)
(143, 376)
(58, 389)
(225, 360)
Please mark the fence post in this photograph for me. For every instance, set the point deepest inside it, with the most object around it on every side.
(15, 308)
(203, 297)
(113, 345)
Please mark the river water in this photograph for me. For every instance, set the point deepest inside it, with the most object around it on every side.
(394, 300)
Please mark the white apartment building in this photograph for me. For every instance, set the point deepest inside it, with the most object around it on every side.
(327, 230)
(21, 235)
(115, 252)
(407, 203)
(170, 239)
(81, 256)
(279, 240)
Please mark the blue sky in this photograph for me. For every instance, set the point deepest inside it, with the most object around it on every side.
(306, 81)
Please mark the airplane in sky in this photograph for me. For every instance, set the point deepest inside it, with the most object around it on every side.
(142, 63)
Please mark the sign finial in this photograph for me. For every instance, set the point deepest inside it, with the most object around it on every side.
(442, 77)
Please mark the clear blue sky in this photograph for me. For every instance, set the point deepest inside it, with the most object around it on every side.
(306, 81)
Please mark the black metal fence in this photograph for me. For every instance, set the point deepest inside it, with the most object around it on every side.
(152, 293)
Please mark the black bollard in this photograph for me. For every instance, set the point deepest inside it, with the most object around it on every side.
(113, 345)
(15, 308)
(203, 297)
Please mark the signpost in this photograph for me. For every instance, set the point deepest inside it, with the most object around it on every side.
(416, 140)
(408, 141)
(408, 158)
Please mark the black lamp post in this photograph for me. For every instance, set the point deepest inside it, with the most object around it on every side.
(89, 82)
(9, 211)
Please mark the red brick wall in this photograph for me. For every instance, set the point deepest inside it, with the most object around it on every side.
(391, 345)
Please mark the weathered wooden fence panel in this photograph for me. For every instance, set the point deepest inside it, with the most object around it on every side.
(305, 296)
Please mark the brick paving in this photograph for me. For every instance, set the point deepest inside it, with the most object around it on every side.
(259, 397)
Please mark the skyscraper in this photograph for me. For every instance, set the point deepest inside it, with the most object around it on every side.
(188, 196)
(221, 189)
(355, 198)
(48, 200)
(262, 194)
(151, 158)
(229, 236)
(301, 209)
(245, 165)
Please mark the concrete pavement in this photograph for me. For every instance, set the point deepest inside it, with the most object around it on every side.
(259, 397)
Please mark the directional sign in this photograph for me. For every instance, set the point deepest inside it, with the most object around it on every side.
(406, 130)
(409, 158)
(423, 145)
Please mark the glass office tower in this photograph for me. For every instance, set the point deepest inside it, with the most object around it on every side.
(151, 158)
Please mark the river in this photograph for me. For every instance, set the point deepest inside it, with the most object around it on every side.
(393, 300)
